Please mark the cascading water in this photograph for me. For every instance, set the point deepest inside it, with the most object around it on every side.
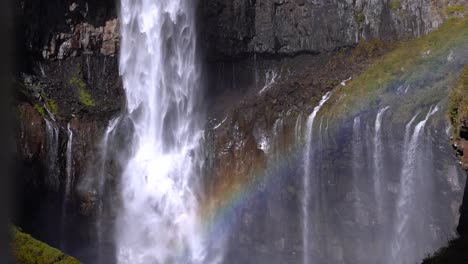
(52, 153)
(101, 182)
(69, 164)
(408, 219)
(158, 221)
(379, 189)
(308, 157)
(67, 184)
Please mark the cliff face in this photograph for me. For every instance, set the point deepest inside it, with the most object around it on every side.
(67, 87)
(234, 28)
(457, 250)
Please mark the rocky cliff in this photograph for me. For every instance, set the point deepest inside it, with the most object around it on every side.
(288, 27)
(457, 250)
(67, 87)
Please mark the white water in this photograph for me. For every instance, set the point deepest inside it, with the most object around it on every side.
(271, 77)
(67, 185)
(357, 167)
(379, 190)
(101, 183)
(158, 221)
(298, 126)
(403, 248)
(52, 153)
(69, 163)
(306, 178)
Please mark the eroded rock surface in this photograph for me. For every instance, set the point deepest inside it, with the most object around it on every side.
(239, 27)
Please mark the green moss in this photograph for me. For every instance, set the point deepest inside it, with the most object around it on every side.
(52, 106)
(86, 98)
(77, 82)
(50, 103)
(455, 9)
(458, 103)
(395, 5)
(360, 17)
(368, 49)
(39, 108)
(420, 64)
(28, 250)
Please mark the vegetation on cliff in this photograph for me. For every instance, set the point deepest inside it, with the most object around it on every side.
(28, 250)
(418, 72)
(457, 250)
(458, 108)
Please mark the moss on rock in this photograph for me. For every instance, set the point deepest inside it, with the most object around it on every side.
(458, 107)
(455, 9)
(421, 64)
(40, 109)
(395, 5)
(78, 82)
(86, 98)
(28, 250)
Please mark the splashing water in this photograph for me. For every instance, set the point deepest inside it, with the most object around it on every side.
(158, 222)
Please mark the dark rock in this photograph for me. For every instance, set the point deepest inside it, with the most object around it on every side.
(233, 28)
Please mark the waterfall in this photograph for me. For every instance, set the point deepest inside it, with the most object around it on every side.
(308, 157)
(379, 189)
(52, 153)
(67, 185)
(69, 163)
(298, 126)
(407, 219)
(158, 220)
(101, 184)
(271, 77)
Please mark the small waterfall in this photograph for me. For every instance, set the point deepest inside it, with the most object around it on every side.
(52, 154)
(407, 218)
(69, 164)
(271, 77)
(308, 158)
(88, 67)
(298, 126)
(67, 185)
(379, 188)
(42, 70)
(159, 221)
(357, 189)
(101, 184)
(357, 168)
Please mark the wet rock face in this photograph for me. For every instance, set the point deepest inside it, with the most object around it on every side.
(461, 147)
(31, 141)
(234, 28)
(57, 29)
(253, 130)
(69, 70)
(68, 87)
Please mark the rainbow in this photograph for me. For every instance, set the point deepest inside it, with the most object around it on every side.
(227, 200)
